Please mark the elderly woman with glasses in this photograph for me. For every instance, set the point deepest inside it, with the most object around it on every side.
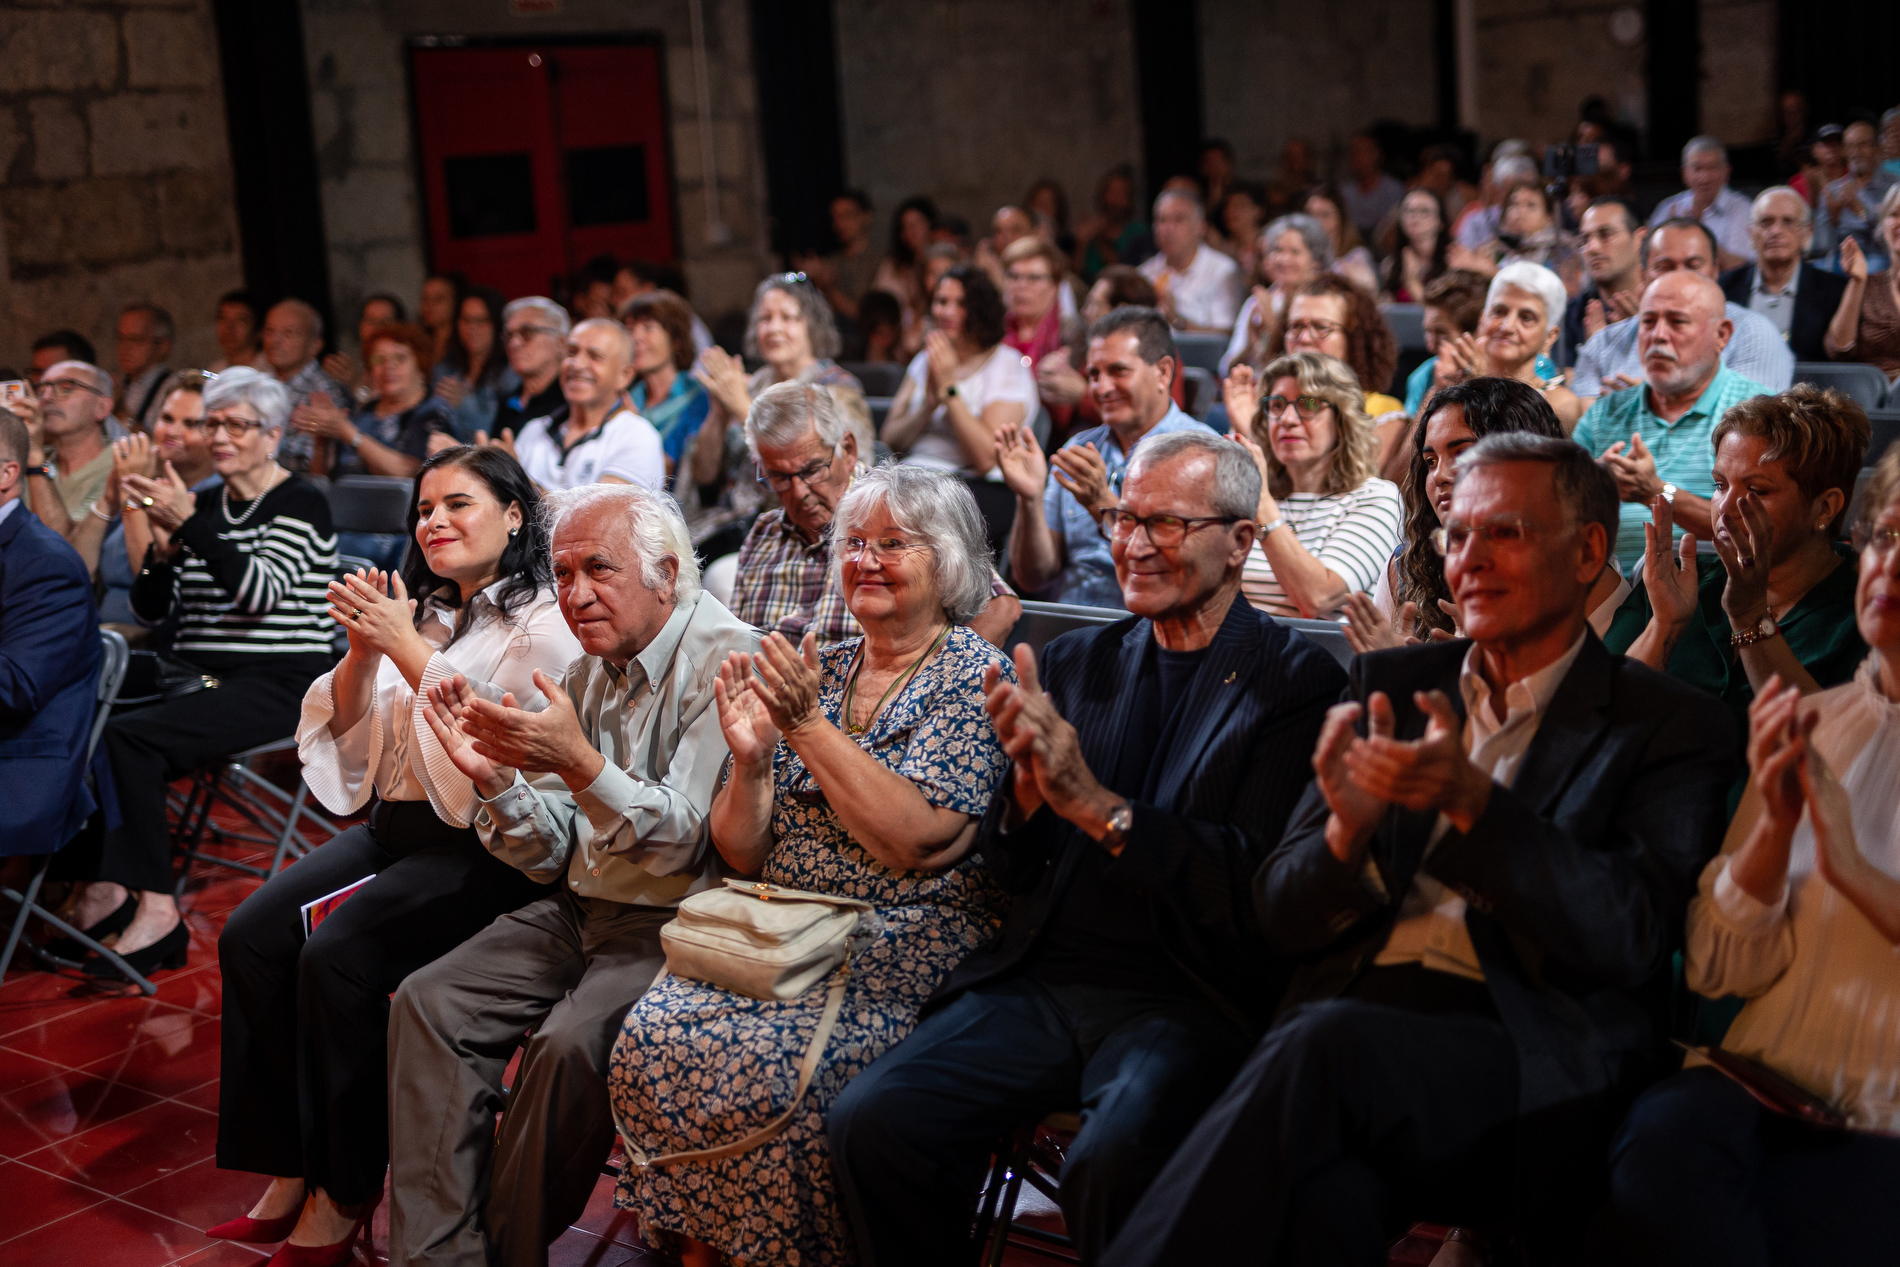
(860, 770)
(244, 569)
(1799, 914)
(1294, 249)
(1522, 321)
(1327, 524)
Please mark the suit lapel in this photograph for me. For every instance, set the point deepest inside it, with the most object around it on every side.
(1100, 733)
(1569, 732)
(1219, 683)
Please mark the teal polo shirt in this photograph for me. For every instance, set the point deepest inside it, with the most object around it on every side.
(1683, 450)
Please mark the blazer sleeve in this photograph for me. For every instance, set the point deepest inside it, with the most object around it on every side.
(1608, 909)
(45, 612)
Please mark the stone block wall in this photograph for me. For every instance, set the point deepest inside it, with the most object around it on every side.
(115, 172)
(360, 110)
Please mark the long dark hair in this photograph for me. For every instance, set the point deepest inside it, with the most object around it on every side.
(456, 358)
(983, 321)
(1491, 405)
(901, 254)
(524, 568)
(1392, 272)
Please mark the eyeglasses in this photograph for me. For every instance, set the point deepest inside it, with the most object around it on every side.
(1307, 407)
(236, 428)
(788, 279)
(1504, 532)
(521, 334)
(1165, 532)
(808, 474)
(1874, 541)
(63, 389)
(856, 548)
(1314, 329)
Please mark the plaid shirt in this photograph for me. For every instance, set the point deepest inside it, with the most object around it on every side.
(294, 448)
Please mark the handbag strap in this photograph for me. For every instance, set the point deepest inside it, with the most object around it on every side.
(807, 1068)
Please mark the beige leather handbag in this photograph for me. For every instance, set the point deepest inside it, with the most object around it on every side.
(765, 942)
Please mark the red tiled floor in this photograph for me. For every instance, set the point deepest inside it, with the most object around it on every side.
(204, 1097)
(97, 1032)
(35, 1198)
(169, 1064)
(61, 1107)
(109, 1234)
(134, 1149)
(226, 1254)
(19, 1070)
(199, 1196)
(602, 1220)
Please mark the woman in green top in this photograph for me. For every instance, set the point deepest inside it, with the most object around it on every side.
(1778, 597)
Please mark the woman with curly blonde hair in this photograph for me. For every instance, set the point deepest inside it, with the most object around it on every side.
(1327, 523)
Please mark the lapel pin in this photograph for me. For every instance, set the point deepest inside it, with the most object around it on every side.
(1229, 679)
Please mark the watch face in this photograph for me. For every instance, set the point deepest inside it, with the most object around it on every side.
(1767, 627)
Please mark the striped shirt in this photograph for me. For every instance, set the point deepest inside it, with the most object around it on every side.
(250, 588)
(1351, 533)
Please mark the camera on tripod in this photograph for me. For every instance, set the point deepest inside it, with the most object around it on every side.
(1564, 162)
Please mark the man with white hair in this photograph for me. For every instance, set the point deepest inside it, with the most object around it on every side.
(1708, 199)
(293, 335)
(534, 335)
(1801, 300)
(597, 439)
(1196, 286)
(602, 786)
(1611, 359)
(1655, 437)
(68, 458)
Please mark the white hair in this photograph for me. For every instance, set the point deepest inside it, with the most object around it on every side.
(1236, 488)
(307, 311)
(90, 374)
(551, 312)
(936, 507)
(653, 526)
(1703, 145)
(1532, 279)
(1761, 200)
(242, 385)
(1187, 196)
(784, 412)
(1512, 167)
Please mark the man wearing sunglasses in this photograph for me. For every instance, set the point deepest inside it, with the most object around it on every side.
(1484, 888)
(1156, 762)
(68, 460)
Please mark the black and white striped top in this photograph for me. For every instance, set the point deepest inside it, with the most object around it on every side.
(254, 588)
(1351, 533)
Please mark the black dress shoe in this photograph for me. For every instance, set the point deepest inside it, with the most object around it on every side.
(73, 952)
(167, 952)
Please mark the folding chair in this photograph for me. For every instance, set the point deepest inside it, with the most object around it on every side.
(1202, 350)
(112, 664)
(1865, 383)
(876, 377)
(1033, 1154)
(232, 782)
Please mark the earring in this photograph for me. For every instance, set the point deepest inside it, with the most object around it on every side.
(512, 532)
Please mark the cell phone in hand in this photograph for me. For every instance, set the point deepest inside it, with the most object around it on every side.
(13, 391)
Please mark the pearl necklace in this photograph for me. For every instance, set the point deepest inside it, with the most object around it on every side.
(224, 499)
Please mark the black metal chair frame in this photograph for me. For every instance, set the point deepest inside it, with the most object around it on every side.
(232, 783)
(1032, 1154)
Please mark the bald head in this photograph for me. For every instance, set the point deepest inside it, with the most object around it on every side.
(1681, 330)
(598, 365)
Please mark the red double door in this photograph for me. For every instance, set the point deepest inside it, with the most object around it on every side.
(536, 158)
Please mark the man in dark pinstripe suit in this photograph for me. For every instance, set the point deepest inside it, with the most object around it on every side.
(1156, 762)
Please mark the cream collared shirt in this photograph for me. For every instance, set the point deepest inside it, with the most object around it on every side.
(1431, 924)
(637, 834)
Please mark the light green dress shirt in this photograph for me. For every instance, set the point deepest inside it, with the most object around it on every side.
(637, 834)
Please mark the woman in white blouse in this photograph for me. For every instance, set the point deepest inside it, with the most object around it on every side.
(1327, 525)
(303, 1097)
(966, 385)
(1799, 915)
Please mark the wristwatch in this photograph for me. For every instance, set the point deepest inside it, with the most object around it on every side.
(44, 472)
(1267, 530)
(1121, 820)
(1669, 493)
(1762, 631)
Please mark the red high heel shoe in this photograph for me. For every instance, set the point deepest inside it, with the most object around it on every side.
(256, 1231)
(331, 1255)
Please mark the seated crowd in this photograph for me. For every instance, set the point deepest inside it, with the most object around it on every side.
(678, 638)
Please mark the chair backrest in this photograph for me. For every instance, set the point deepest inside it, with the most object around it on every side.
(1202, 351)
(1041, 622)
(997, 505)
(1203, 390)
(880, 410)
(1863, 382)
(1407, 323)
(878, 378)
(1329, 634)
(1042, 426)
(371, 503)
(113, 658)
(1886, 424)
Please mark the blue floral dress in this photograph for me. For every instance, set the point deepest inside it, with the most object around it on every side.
(697, 1066)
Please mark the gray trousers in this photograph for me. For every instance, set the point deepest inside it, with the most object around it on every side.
(461, 1193)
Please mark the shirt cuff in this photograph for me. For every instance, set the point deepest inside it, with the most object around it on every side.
(515, 805)
(1741, 909)
(608, 800)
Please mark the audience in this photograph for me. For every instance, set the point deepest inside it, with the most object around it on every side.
(1654, 438)
(1710, 202)
(68, 461)
(1799, 915)
(375, 312)
(595, 438)
(902, 270)
(880, 325)
(1114, 234)
(1851, 205)
(1484, 919)
(49, 666)
(1477, 226)
(847, 274)
(1236, 226)
(474, 377)
(1010, 224)
(391, 433)
(440, 306)
(1454, 304)
(245, 572)
(1611, 238)
(803, 448)
(1033, 281)
(1424, 237)
(145, 335)
(1333, 317)
(240, 332)
(61, 345)
(1523, 312)
(1612, 359)
(862, 772)
(1128, 977)
(1325, 523)
(1196, 287)
(967, 386)
(1294, 250)
(1802, 301)
(534, 338)
(1351, 259)
(1057, 545)
(643, 277)
(1060, 381)
(304, 1095)
(1867, 325)
(1776, 601)
(293, 335)
(606, 794)
(1372, 192)
(1530, 231)
(664, 393)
